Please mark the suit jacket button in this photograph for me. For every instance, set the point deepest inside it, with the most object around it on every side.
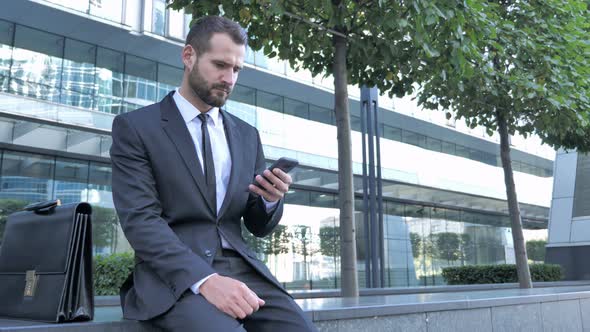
(208, 253)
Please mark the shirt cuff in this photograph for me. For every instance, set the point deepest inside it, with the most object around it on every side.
(195, 287)
(270, 206)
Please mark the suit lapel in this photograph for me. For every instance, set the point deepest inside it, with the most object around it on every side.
(175, 128)
(233, 139)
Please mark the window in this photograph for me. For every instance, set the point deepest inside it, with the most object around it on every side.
(434, 144)
(176, 24)
(168, 79)
(37, 62)
(140, 82)
(582, 190)
(159, 17)
(109, 79)
(296, 108)
(321, 114)
(269, 101)
(392, 133)
(413, 138)
(6, 35)
(244, 95)
(26, 177)
(78, 68)
(71, 177)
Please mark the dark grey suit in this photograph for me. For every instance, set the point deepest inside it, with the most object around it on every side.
(160, 196)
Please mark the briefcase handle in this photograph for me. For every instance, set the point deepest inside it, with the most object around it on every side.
(43, 207)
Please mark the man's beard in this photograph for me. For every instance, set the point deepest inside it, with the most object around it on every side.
(201, 88)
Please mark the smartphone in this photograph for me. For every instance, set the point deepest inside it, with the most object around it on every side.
(284, 164)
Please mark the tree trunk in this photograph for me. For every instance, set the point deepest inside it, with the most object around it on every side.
(522, 265)
(345, 184)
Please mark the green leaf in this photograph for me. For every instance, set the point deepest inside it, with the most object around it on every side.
(430, 51)
(431, 19)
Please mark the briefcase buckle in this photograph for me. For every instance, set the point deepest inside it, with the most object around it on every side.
(31, 283)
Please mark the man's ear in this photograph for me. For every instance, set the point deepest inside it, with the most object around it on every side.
(189, 56)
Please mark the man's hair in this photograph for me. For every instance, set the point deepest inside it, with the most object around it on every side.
(202, 30)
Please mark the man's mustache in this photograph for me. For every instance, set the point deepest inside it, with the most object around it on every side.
(223, 87)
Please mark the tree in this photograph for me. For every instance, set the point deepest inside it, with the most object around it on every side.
(304, 245)
(278, 241)
(416, 242)
(448, 246)
(104, 227)
(257, 244)
(536, 250)
(330, 241)
(467, 248)
(528, 74)
(374, 43)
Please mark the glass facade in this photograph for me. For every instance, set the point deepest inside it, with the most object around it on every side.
(304, 250)
(419, 238)
(70, 72)
(44, 66)
(28, 177)
(111, 10)
(419, 241)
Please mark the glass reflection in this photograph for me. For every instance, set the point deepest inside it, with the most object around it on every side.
(303, 252)
(26, 177)
(71, 177)
(36, 64)
(159, 17)
(6, 34)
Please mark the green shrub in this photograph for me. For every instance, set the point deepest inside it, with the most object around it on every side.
(110, 271)
(497, 274)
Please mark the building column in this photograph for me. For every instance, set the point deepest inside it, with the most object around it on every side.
(569, 220)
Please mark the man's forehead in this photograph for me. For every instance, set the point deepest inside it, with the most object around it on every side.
(222, 42)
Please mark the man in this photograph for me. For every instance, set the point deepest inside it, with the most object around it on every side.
(183, 173)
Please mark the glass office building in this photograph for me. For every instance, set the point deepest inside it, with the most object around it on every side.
(68, 67)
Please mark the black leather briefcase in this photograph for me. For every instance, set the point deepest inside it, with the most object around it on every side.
(46, 263)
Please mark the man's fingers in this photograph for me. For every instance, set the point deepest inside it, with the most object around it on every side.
(268, 191)
(255, 301)
(277, 181)
(285, 177)
(237, 312)
(250, 297)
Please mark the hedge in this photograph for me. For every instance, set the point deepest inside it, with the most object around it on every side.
(497, 274)
(110, 271)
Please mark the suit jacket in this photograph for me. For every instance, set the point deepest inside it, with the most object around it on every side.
(160, 196)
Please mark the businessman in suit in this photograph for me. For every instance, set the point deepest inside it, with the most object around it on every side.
(183, 179)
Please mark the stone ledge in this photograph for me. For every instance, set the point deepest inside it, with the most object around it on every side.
(416, 312)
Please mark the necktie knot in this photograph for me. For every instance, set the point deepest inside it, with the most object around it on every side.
(203, 117)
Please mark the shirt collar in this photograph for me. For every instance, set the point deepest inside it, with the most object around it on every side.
(190, 112)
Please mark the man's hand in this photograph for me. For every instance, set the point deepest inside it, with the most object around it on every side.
(230, 296)
(275, 189)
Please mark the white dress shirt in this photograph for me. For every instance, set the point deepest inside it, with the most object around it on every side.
(221, 154)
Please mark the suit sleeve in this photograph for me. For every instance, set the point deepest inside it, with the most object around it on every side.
(256, 219)
(136, 200)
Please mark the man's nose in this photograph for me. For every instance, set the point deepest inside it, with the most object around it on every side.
(229, 77)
